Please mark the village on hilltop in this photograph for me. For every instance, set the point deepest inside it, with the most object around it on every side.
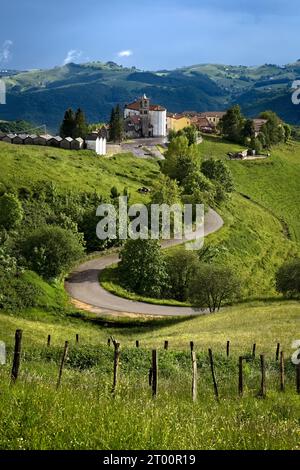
(141, 120)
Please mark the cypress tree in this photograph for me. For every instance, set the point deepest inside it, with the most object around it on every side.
(112, 126)
(119, 124)
(81, 127)
(68, 125)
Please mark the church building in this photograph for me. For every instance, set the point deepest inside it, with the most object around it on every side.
(151, 119)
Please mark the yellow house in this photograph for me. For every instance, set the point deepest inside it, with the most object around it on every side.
(176, 122)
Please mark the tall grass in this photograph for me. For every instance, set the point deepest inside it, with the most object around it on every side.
(84, 414)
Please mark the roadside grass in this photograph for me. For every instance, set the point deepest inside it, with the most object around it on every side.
(263, 323)
(79, 171)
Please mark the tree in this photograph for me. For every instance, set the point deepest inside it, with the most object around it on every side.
(180, 159)
(143, 268)
(212, 285)
(273, 130)
(68, 125)
(288, 278)
(81, 127)
(197, 180)
(190, 132)
(180, 267)
(217, 170)
(248, 131)
(232, 124)
(166, 191)
(116, 125)
(112, 136)
(11, 212)
(287, 132)
(50, 251)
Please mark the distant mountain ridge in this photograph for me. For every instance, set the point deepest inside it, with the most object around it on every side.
(42, 96)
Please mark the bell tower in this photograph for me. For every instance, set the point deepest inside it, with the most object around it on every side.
(144, 105)
(145, 115)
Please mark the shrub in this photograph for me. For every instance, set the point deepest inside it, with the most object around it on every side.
(11, 212)
(17, 292)
(50, 251)
(288, 278)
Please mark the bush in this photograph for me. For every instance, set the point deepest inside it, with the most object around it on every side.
(143, 268)
(180, 268)
(17, 292)
(50, 251)
(288, 278)
(11, 212)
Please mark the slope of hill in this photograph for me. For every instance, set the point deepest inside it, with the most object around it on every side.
(78, 171)
(41, 96)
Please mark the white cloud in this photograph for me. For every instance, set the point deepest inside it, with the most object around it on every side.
(73, 55)
(126, 53)
(5, 51)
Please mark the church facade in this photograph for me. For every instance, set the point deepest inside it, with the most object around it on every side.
(143, 119)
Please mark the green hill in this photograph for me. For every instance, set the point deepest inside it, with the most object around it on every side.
(79, 171)
(42, 96)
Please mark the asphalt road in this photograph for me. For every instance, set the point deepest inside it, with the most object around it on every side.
(83, 284)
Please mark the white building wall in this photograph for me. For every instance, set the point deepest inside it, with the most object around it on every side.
(130, 112)
(159, 122)
(98, 145)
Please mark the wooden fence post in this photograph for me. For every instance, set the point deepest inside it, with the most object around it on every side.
(241, 381)
(108, 342)
(298, 378)
(194, 380)
(211, 360)
(263, 376)
(137, 343)
(116, 364)
(17, 356)
(192, 346)
(254, 350)
(228, 349)
(154, 372)
(49, 341)
(77, 338)
(166, 346)
(150, 376)
(282, 372)
(62, 364)
(277, 351)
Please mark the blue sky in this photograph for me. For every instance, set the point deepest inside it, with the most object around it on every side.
(148, 34)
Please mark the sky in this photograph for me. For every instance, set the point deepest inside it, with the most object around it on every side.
(151, 35)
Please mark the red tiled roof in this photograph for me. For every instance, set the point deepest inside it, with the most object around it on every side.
(135, 106)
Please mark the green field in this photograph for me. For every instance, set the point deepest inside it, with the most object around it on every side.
(84, 414)
(78, 171)
(272, 183)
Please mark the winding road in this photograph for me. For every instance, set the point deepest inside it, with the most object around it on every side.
(86, 292)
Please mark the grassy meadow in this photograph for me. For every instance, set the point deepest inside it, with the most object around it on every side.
(79, 171)
(84, 414)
